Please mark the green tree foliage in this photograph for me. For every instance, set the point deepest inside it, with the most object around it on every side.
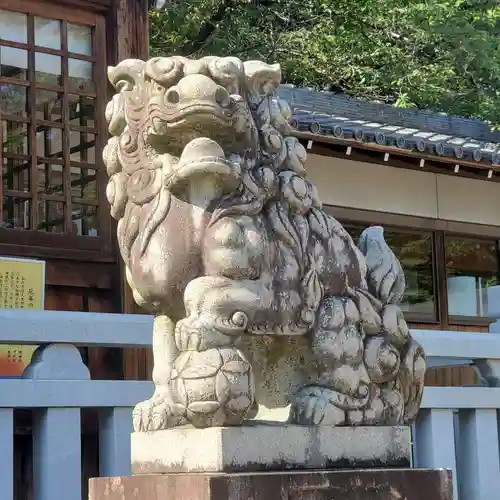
(437, 54)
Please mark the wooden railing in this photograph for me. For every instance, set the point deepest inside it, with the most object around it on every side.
(457, 427)
(56, 386)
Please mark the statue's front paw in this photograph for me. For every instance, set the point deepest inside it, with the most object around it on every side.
(155, 414)
(312, 406)
(199, 336)
(187, 338)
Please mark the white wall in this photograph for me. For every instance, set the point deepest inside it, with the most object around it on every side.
(383, 188)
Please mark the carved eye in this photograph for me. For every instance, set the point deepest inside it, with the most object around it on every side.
(172, 96)
(239, 319)
(222, 97)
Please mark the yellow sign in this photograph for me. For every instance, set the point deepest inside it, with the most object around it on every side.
(22, 286)
(22, 283)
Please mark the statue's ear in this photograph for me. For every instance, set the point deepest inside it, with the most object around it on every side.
(127, 74)
(227, 71)
(165, 70)
(124, 77)
(262, 79)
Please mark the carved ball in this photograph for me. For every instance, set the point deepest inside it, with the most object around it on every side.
(213, 387)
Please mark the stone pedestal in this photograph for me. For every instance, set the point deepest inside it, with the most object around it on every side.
(375, 484)
(274, 462)
(258, 447)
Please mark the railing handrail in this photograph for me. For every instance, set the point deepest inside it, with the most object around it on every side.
(22, 393)
(21, 326)
(461, 398)
(26, 393)
(460, 345)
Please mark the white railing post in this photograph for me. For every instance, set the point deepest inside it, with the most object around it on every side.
(7, 453)
(57, 467)
(115, 428)
(489, 369)
(478, 455)
(57, 447)
(434, 438)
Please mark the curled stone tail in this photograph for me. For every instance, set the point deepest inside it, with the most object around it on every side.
(385, 277)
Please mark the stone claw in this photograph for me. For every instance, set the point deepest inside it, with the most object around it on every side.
(155, 414)
(312, 406)
(187, 339)
(307, 410)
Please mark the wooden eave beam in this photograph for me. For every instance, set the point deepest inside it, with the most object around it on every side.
(395, 151)
(99, 6)
(376, 157)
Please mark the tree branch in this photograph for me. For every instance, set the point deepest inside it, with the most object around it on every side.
(207, 28)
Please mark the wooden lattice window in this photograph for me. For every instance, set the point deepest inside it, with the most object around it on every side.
(51, 63)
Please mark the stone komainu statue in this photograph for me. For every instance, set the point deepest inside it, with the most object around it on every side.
(225, 240)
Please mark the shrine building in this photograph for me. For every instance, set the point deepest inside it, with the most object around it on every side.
(432, 180)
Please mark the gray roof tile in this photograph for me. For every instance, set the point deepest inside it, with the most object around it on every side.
(330, 114)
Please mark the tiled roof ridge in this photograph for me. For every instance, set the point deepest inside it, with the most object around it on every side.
(355, 108)
(345, 117)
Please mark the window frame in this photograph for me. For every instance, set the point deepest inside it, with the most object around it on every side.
(32, 242)
(459, 319)
(439, 229)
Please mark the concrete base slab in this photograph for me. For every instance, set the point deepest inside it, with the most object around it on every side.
(268, 448)
(382, 484)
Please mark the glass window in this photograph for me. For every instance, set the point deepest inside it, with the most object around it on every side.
(49, 165)
(81, 111)
(16, 213)
(13, 63)
(49, 105)
(13, 100)
(16, 175)
(80, 39)
(85, 220)
(13, 26)
(15, 138)
(51, 178)
(414, 251)
(80, 75)
(48, 69)
(51, 216)
(48, 33)
(83, 183)
(472, 275)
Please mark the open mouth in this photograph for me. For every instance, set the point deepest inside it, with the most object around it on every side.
(203, 112)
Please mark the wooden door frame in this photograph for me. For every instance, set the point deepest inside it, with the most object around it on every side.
(65, 245)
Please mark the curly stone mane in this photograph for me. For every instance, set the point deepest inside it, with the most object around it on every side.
(221, 231)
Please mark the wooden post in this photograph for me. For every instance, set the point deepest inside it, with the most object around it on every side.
(127, 30)
(127, 34)
(129, 23)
